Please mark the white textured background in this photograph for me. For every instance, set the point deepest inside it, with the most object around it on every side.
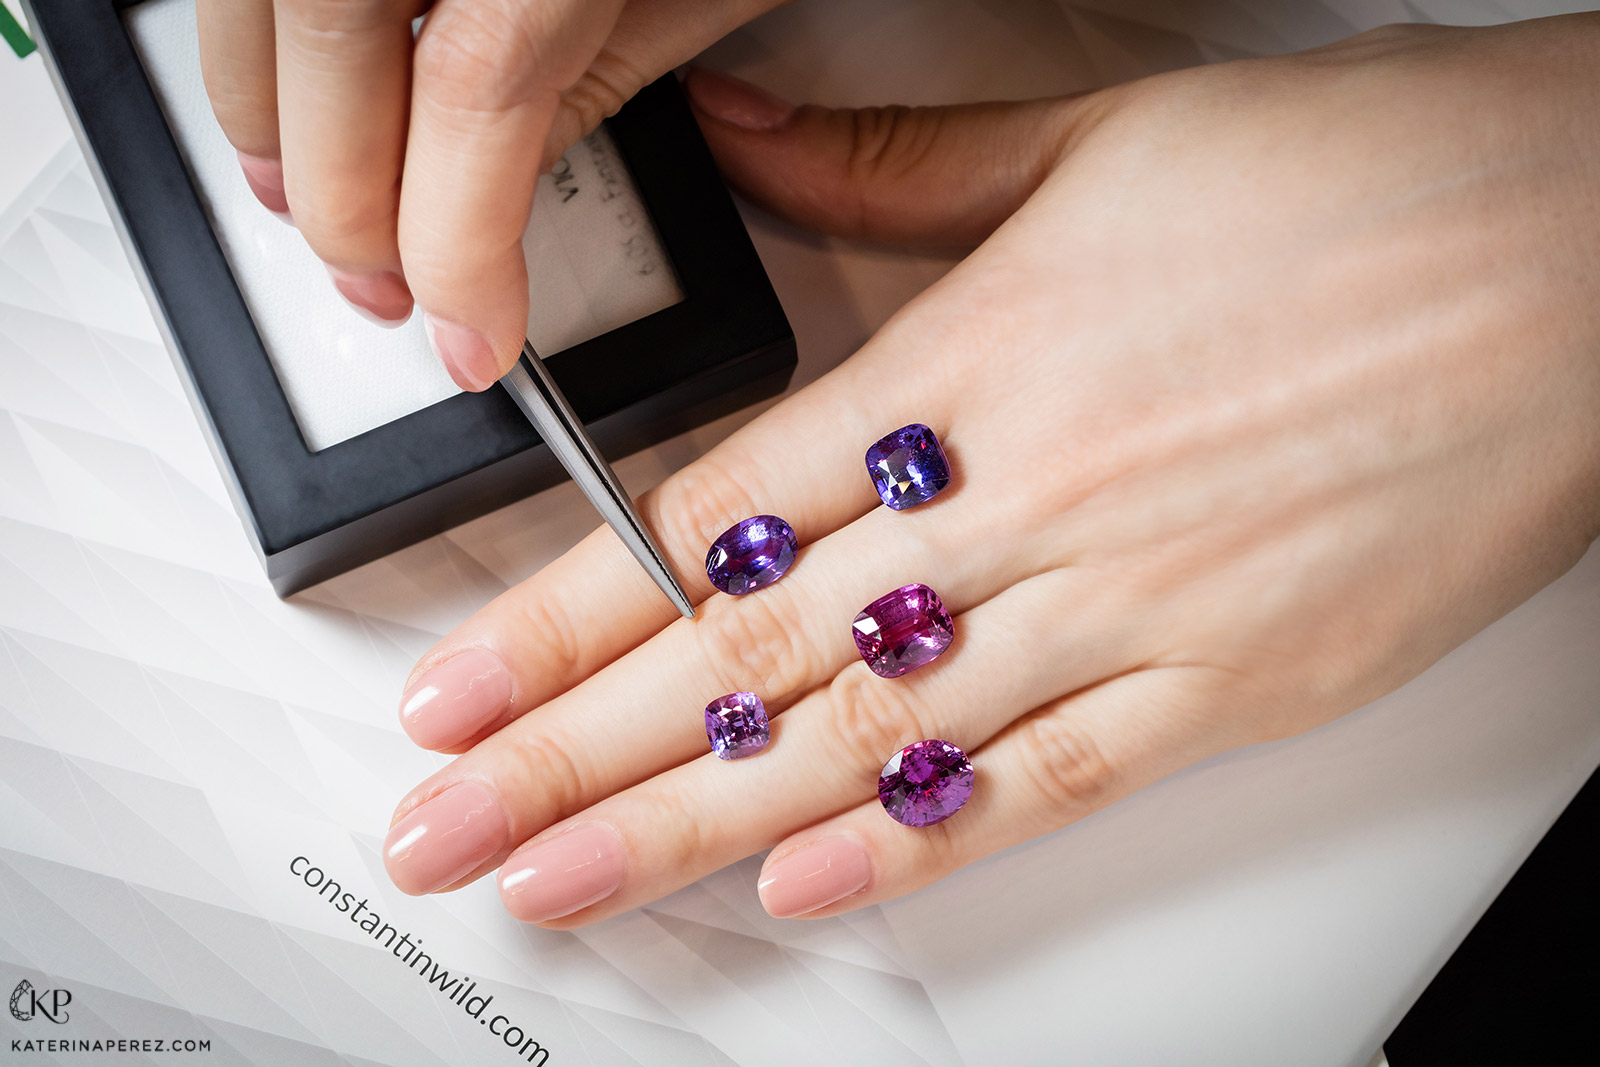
(171, 734)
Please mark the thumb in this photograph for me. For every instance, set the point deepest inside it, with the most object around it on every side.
(923, 175)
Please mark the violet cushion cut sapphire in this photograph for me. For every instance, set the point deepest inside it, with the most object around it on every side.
(736, 725)
(925, 783)
(908, 466)
(751, 554)
(903, 630)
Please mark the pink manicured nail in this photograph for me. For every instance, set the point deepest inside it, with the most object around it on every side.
(445, 838)
(464, 352)
(455, 699)
(574, 869)
(738, 103)
(265, 178)
(381, 296)
(814, 876)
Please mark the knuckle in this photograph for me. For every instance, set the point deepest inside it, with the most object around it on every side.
(558, 636)
(756, 641)
(1068, 768)
(472, 57)
(600, 92)
(549, 780)
(679, 844)
(341, 222)
(338, 14)
(872, 719)
(696, 507)
(887, 143)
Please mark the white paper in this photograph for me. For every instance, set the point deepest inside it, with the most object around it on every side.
(595, 261)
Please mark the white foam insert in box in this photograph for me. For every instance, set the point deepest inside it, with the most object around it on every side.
(595, 261)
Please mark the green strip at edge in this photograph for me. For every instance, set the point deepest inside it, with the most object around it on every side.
(15, 35)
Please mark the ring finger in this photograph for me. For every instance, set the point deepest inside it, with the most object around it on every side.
(826, 755)
(1062, 762)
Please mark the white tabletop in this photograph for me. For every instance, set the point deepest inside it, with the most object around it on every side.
(172, 735)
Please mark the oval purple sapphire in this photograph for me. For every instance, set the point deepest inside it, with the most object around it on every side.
(751, 554)
(925, 783)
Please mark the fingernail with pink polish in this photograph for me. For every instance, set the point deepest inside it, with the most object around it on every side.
(445, 839)
(571, 871)
(380, 296)
(464, 352)
(265, 178)
(736, 102)
(455, 699)
(814, 876)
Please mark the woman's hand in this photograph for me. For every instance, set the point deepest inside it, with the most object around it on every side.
(410, 165)
(1277, 380)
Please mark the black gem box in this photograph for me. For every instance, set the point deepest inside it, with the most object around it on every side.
(314, 513)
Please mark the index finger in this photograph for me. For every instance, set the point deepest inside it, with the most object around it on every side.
(487, 80)
(595, 603)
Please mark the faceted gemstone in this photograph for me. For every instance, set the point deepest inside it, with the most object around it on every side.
(903, 630)
(751, 554)
(908, 466)
(737, 725)
(925, 783)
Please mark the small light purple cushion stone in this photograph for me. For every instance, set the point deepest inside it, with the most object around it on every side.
(908, 466)
(737, 725)
(925, 783)
(903, 630)
(751, 554)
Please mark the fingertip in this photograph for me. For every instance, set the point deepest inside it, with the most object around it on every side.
(381, 297)
(264, 176)
(736, 102)
(464, 351)
(456, 699)
(814, 876)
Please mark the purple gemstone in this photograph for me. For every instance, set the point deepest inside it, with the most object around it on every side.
(751, 554)
(904, 630)
(737, 725)
(908, 466)
(925, 783)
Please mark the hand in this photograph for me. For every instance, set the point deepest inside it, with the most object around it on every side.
(1277, 380)
(410, 165)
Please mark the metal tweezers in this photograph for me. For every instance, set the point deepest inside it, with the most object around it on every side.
(535, 392)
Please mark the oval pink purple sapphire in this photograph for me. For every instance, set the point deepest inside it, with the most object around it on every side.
(751, 554)
(925, 783)
(903, 630)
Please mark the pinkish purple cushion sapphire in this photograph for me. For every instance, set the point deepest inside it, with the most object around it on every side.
(736, 725)
(925, 783)
(903, 630)
(908, 466)
(751, 554)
